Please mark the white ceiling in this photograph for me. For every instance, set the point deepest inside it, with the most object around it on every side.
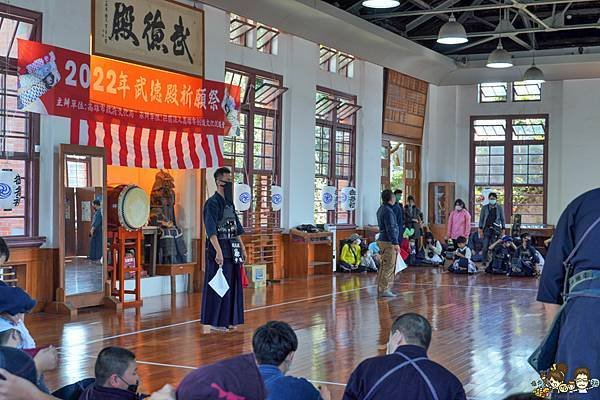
(322, 23)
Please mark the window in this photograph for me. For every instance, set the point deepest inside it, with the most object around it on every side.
(493, 92)
(336, 61)
(527, 91)
(335, 149)
(509, 158)
(77, 172)
(256, 150)
(19, 131)
(243, 31)
(266, 39)
(240, 30)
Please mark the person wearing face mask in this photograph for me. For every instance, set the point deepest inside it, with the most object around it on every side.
(491, 224)
(527, 257)
(274, 346)
(459, 221)
(224, 250)
(413, 219)
(350, 254)
(116, 377)
(405, 369)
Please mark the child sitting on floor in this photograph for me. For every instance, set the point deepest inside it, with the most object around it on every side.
(433, 250)
(503, 250)
(462, 258)
(367, 261)
(526, 259)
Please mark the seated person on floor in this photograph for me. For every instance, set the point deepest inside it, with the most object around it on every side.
(375, 251)
(274, 346)
(234, 378)
(502, 254)
(433, 250)
(14, 304)
(405, 372)
(526, 260)
(19, 375)
(476, 245)
(462, 263)
(116, 376)
(350, 254)
(367, 261)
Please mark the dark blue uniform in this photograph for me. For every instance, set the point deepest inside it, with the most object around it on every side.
(97, 237)
(579, 319)
(388, 224)
(399, 213)
(227, 310)
(406, 374)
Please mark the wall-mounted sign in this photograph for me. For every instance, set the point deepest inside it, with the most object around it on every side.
(10, 189)
(276, 197)
(242, 196)
(328, 197)
(348, 196)
(57, 81)
(158, 33)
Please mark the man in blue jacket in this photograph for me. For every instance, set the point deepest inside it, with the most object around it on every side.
(274, 346)
(389, 244)
(405, 372)
(491, 224)
(399, 212)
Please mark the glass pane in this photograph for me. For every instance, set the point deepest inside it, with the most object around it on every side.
(489, 130)
(493, 92)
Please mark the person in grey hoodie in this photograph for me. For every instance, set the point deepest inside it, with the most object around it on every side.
(491, 224)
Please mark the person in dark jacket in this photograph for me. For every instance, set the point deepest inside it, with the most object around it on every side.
(236, 378)
(389, 246)
(405, 371)
(225, 251)
(413, 219)
(274, 346)
(399, 212)
(573, 339)
(116, 376)
(491, 224)
(96, 237)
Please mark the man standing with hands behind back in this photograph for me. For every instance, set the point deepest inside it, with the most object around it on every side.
(224, 250)
(388, 244)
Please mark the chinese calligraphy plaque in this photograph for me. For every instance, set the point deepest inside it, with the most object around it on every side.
(157, 33)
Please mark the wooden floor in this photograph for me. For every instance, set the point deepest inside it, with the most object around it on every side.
(485, 327)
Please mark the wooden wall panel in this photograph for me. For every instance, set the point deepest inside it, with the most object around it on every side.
(34, 269)
(405, 102)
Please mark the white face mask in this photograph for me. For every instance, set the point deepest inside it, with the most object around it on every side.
(458, 208)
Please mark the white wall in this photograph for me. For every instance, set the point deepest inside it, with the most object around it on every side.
(574, 141)
(296, 61)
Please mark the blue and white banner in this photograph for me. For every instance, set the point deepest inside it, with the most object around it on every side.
(276, 197)
(242, 196)
(348, 197)
(329, 197)
(10, 189)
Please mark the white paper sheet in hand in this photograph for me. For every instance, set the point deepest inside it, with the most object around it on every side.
(219, 283)
(400, 264)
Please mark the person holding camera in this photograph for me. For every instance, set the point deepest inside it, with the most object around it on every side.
(432, 249)
(491, 224)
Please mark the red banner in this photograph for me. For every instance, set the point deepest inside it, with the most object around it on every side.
(56, 81)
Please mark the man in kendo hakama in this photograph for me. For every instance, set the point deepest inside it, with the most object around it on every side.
(224, 250)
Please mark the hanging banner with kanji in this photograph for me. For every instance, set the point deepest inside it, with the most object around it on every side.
(56, 81)
(158, 33)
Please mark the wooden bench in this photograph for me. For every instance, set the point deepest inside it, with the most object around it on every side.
(173, 270)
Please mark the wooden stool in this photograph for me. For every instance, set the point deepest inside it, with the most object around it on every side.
(173, 270)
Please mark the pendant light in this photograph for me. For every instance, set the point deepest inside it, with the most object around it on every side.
(452, 32)
(499, 58)
(380, 3)
(534, 75)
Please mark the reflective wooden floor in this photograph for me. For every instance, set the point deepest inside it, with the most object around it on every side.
(485, 327)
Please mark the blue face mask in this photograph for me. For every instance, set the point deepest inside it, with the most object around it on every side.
(493, 202)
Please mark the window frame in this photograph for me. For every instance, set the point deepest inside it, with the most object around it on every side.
(8, 66)
(334, 126)
(250, 110)
(509, 144)
(480, 93)
(514, 94)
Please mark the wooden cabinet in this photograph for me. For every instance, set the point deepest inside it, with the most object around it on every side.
(441, 204)
(309, 254)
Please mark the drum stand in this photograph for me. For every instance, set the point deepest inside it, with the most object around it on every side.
(121, 240)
